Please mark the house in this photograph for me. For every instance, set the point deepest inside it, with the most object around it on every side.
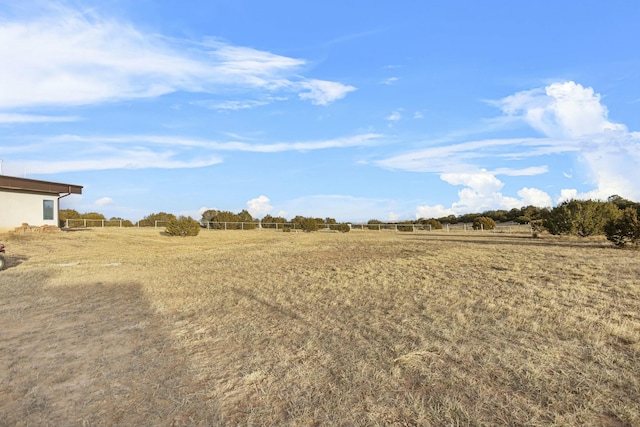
(31, 201)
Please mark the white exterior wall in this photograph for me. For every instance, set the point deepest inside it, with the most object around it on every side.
(20, 207)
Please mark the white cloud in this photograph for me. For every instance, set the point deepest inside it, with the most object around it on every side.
(460, 157)
(61, 56)
(394, 117)
(535, 197)
(418, 115)
(482, 182)
(129, 159)
(567, 109)
(103, 201)
(34, 118)
(482, 192)
(152, 151)
(390, 81)
(437, 211)
(259, 207)
(231, 105)
(321, 92)
(564, 109)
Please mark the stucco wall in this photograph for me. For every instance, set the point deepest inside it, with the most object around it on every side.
(20, 207)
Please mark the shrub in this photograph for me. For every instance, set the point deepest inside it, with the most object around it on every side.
(433, 223)
(309, 224)
(405, 226)
(183, 226)
(580, 217)
(483, 223)
(625, 229)
(537, 227)
(343, 228)
(154, 219)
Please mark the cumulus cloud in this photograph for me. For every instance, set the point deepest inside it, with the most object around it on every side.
(535, 197)
(61, 56)
(482, 192)
(568, 110)
(563, 109)
(259, 207)
(437, 211)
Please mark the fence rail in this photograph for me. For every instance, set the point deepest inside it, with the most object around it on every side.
(279, 226)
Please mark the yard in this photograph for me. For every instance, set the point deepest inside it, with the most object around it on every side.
(130, 327)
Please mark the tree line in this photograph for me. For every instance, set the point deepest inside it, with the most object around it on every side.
(616, 218)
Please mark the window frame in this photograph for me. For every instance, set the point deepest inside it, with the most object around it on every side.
(48, 210)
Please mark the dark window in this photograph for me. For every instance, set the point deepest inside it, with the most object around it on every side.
(48, 209)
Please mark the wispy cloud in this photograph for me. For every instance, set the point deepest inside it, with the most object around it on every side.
(389, 81)
(152, 151)
(34, 118)
(465, 156)
(394, 116)
(236, 105)
(65, 57)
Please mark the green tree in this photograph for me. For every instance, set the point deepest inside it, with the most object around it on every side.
(93, 215)
(160, 218)
(483, 223)
(225, 220)
(305, 223)
(68, 214)
(580, 217)
(182, 226)
(309, 224)
(432, 222)
(248, 222)
(271, 222)
(624, 229)
(116, 221)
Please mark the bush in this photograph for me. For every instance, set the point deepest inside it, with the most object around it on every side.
(309, 224)
(580, 217)
(183, 226)
(625, 229)
(343, 228)
(433, 223)
(484, 223)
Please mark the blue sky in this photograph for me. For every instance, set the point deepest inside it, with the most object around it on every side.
(349, 109)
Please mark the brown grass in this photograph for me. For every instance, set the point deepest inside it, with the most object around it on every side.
(125, 326)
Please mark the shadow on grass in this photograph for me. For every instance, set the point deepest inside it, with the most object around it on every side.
(14, 260)
(92, 354)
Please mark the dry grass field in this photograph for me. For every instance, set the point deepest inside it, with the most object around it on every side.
(129, 327)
